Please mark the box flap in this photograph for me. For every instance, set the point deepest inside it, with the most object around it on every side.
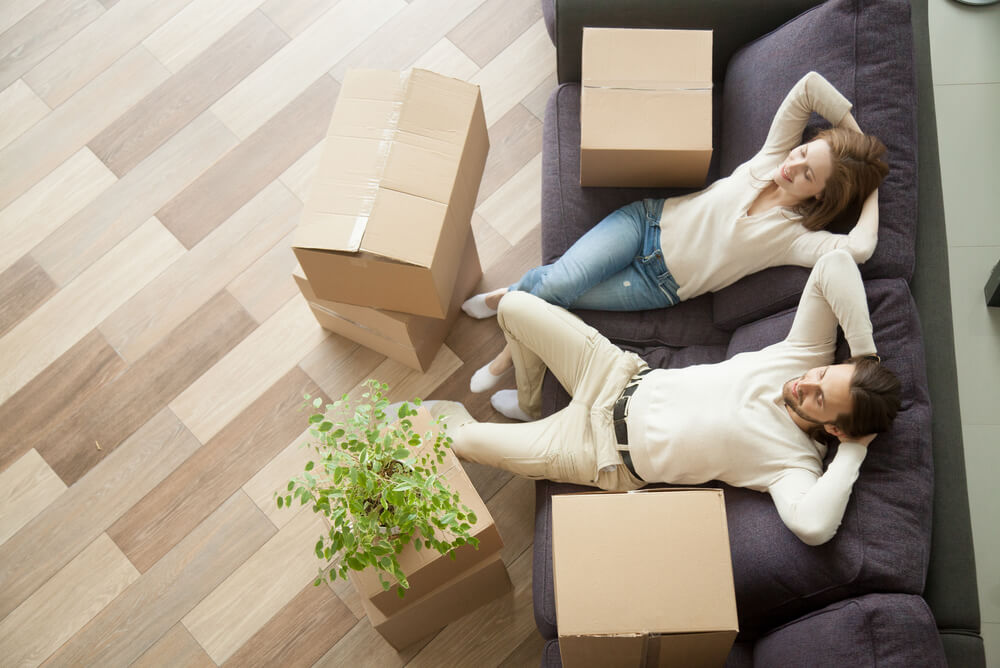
(618, 559)
(647, 59)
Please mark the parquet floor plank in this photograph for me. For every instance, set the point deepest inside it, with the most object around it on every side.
(193, 89)
(193, 29)
(267, 285)
(20, 108)
(177, 649)
(61, 531)
(24, 286)
(493, 26)
(515, 139)
(134, 621)
(27, 488)
(295, 17)
(516, 71)
(13, 11)
(514, 210)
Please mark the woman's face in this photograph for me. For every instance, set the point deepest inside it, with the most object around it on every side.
(804, 172)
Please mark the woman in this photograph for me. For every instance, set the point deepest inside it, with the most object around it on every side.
(770, 211)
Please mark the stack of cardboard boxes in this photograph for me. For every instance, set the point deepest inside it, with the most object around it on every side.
(385, 240)
(442, 589)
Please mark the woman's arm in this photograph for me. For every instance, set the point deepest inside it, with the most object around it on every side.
(860, 242)
(811, 93)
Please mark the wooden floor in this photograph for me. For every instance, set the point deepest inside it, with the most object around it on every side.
(154, 350)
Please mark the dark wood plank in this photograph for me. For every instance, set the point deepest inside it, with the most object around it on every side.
(59, 390)
(299, 634)
(528, 653)
(112, 414)
(514, 140)
(71, 522)
(493, 26)
(193, 89)
(24, 286)
(135, 620)
(258, 160)
(162, 519)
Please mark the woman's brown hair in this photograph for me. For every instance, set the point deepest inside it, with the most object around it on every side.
(858, 169)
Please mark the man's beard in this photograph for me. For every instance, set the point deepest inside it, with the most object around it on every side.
(792, 401)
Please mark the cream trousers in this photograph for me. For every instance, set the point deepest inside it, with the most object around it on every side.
(578, 443)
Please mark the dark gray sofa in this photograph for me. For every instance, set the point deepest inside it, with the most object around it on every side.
(897, 585)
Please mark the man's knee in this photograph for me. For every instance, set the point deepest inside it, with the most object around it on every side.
(513, 304)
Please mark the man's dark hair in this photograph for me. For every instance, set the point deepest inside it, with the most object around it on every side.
(875, 400)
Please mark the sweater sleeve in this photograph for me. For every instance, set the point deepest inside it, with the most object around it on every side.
(811, 93)
(812, 506)
(809, 247)
(834, 294)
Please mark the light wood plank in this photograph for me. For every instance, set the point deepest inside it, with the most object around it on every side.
(295, 17)
(515, 208)
(13, 11)
(406, 383)
(274, 477)
(514, 140)
(63, 386)
(60, 532)
(493, 26)
(299, 634)
(40, 32)
(48, 143)
(20, 108)
(257, 161)
(113, 413)
(177, 649)
(23, 287)
(489, 243)
(192, 90)
(135, 620)
(338, 365)
(267, 284)
(51, 330)
(103, 41)
(26, 489)
(447, 59)
(50, 203)
(131, 201)
(145, 319)
(245, 373)
(301, 62)
(363, 647)
(484, 637)
(298, 177)
(182, 39)
(239, 607)
(516, 71)
(406, 36)
(538, 99)
(169, 512)
(50, 617)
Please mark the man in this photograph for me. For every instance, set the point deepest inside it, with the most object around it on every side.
(751, 421)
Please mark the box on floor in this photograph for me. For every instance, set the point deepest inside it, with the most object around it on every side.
(645, 107)
(410, 339)
(389, 212)
(643, 578)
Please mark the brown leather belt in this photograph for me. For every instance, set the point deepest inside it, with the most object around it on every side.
(620, 413)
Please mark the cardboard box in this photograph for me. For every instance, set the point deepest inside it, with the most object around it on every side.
(643, 578)
(427, 570)
(645, 107)
(389, 212)
(448, 602)
(412, 340)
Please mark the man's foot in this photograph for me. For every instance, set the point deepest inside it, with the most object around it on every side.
(484, 379)
(484, 305)
(455, 414)
(505, 402)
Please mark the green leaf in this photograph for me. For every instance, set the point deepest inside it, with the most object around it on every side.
(291, 485)
(310, 466)
(281, 501)
(326, 426)
(401, 453)
(317, 402)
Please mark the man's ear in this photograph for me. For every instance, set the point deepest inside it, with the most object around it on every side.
(834, 430)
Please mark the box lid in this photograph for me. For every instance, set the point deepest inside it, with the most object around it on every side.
(648, 562)
(647, 59)
(389, 165)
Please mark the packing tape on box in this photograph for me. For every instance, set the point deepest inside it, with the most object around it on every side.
(644, 84)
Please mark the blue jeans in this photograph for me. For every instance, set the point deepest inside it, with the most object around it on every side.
(616, 266)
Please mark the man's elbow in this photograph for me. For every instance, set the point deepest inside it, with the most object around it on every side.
(813, 534)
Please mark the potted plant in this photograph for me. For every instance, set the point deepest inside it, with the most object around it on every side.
(376, 481)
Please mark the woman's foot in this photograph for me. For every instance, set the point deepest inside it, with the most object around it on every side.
(505, 402)
(489, 376)
(484, 305)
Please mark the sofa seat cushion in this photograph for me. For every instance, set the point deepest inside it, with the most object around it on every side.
(864, 48)
(874, 630)
(883, 542)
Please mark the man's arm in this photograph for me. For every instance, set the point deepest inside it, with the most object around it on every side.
(834, 294)
(812, 507)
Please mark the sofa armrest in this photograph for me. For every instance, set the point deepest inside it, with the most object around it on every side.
(872, 630)
(736, 23)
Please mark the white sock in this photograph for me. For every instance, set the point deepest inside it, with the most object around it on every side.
(505, 402)
(484, 379)
(477, 308)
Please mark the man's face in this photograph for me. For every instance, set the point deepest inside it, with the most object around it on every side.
(821, 394)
